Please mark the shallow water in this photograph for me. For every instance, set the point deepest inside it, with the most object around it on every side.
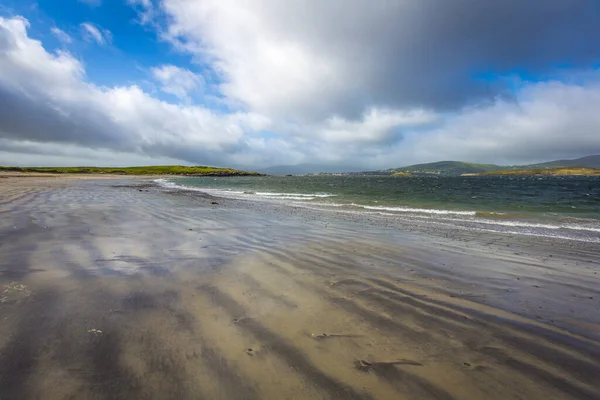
(566, 207)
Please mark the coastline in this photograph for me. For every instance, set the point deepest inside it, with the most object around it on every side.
(242, 299)
(510, 216)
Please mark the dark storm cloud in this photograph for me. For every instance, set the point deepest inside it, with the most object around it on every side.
(441, 60)
(24, 117)
(439, 53)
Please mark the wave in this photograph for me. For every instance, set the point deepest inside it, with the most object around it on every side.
(539, 234)
(291, 195)
(481, 219)
(494, 215)
(520, 224)
(244, 194)
(471, 220)
(303, 198)
(165, 183)
(515, 224)
(416, 210)
(172, 185)
(488, 218)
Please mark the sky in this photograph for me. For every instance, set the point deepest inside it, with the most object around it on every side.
(256, 83)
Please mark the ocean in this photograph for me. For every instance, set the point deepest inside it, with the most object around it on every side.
(552, 206)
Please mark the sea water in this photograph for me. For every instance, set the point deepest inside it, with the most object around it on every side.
(558, 206)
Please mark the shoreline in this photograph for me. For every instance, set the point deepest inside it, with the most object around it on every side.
(415, 217)
(544, 252)
(130, 290)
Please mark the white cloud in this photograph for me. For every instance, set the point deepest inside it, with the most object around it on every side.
(376, 125)
(67, 109)
(177, 81)
(23, 153)
(61, 35)
(310, 60)
(145, 10)
(322, 91)
(91, 32)
(547, 120)
(264, 68)
(347, 77)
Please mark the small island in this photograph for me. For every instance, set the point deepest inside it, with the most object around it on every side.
(145, 170)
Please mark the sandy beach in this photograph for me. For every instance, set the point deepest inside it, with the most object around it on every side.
(115, 288)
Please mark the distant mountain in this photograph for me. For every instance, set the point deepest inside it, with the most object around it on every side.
(588, 162)
(435, 168)
(446, 168)
(458, 167)
(547, 171)
(302, 169)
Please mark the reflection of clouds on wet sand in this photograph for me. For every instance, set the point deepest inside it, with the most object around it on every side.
(165, 295)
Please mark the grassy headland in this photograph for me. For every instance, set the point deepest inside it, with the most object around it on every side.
(146, 170)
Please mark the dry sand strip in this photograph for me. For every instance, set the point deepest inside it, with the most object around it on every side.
(107, 292)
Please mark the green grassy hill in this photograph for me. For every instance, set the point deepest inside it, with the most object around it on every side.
(148, 170)
(445, 168)
(459, 168)
(583, 162)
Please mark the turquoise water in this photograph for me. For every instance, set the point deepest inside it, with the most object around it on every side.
(568, 203)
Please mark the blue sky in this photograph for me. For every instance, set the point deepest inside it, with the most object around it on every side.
(260, 83)
(133, 50)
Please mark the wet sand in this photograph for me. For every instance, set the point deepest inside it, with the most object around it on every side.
(118, 289)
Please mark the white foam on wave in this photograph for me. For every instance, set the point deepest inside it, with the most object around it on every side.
(242, 194)
(416, 210)
(553, 236)
(165, 183)
(516, 224)
(442, 216)
(329, 204)
(294, 195)
(547, 226)
(293, 198)
(172, 185)
(513, 224)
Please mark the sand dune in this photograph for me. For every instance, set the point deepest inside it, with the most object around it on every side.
(118, 289)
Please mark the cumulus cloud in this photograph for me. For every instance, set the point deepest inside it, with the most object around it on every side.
(376, 125)
(548, 120)
(177, 81)
(278, 57)
(24, 152)
(45, 98)
(91, 32)
(375, 85)
(61, 35)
